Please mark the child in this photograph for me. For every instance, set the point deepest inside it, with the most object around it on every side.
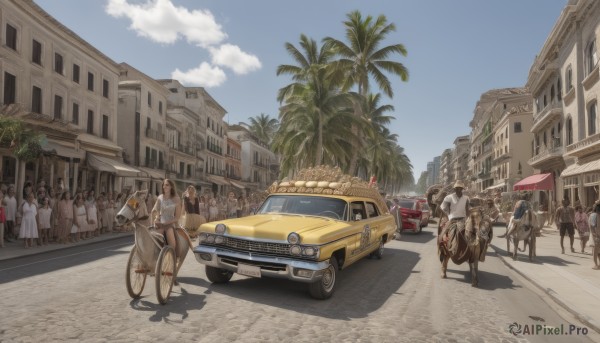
(44, 215)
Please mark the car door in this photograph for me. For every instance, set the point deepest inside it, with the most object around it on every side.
(362, 230)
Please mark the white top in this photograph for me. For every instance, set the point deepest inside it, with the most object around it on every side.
(458, 206)
(44, 217)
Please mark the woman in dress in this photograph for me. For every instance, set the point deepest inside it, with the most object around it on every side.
(166, 212)
(109, 213)
(213, 210)
(92, 212)
(101, 205)
(80, 221)
(65, 217)
(231, 205)
(191, 211)
(119, 202)
(581, 223)
(44, 221)
(29, 229)
(53, 204)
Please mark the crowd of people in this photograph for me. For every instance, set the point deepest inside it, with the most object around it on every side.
(48, 216)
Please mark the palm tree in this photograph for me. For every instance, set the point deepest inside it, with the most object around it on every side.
(24, 143)
(363, 58)
(311, 102)
(263, 127)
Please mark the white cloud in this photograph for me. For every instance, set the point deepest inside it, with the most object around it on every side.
(205, 76)
(231, 56)
(163, 22)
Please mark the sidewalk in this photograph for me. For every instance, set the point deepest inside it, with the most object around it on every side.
(16, 249)
(567, 278)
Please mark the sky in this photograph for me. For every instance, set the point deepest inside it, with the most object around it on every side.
(457, 50)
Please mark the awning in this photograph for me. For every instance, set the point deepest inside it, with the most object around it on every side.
(62, 150)
(535, 182)
(219, 180)
(106, 164)
(500, 185)
(575, 169)
(153, 173)
(237, 185)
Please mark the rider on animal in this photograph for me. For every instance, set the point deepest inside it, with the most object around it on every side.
(520, 208)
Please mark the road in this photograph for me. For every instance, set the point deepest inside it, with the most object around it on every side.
(79, 294)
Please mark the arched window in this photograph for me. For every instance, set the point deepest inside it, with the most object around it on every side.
(591, 56)
(592, 110)
(545, 101)
(559, 88)
(569, 127)
(552, 93)
(569, 78)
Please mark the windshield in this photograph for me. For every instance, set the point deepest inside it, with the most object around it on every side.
(305, 205)
(407, 204)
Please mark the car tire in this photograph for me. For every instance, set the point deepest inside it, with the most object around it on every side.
(378, 254)
(218, 275)
(325, 287)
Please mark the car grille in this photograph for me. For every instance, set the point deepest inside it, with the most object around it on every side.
(253, 246)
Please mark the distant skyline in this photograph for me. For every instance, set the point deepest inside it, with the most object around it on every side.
(457, 50)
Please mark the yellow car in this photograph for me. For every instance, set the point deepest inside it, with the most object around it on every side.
(300, 236)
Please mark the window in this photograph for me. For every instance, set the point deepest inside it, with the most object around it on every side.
(75, 73)
(569, 126)
(545, 101)
(372, 210)
(105, 126)
(36, 52)
(10, 87)
(105, 88)
(160, 107)
(11, 37)
(75, 114)
(90, 122)
(149, 99)
(90, 81)
(36, 100)
(58, 105)
(569, 78)
(591, 57)
(592, 118)
(559, 88)
(58, 63)
(517, 127)
(552, 93)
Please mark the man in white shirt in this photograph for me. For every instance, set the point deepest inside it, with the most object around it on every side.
(10, 204)
(456, 205)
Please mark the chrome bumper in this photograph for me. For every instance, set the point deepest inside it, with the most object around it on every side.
(277, 267)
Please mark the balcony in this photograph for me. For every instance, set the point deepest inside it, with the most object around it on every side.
(501, 158)
(551, 112)
(591, 79)
(584, 147)
(547, 156)
(159, 136)
(186, 149)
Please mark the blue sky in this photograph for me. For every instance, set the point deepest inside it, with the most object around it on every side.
(457, 50)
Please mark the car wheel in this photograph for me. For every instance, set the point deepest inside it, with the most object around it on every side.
(426, 223)
(324, 288)
(218, 275)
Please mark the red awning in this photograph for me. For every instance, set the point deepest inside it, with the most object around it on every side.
(535, 182)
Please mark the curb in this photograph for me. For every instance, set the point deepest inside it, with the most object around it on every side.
(553, 295)
(67, 247)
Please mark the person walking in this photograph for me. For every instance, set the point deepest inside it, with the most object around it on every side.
(191, 212)
(10, 206)
(581, 223)
(595, 229)
(231, 205)
(29, 228)
(65, 217)
(565, 219)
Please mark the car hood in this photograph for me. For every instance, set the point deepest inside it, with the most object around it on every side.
(277, 227)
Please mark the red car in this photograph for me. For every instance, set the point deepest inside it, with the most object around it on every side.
(415, 214)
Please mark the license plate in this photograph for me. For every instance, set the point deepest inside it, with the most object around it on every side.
(248, 270)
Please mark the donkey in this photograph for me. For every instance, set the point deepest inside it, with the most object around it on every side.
(466, 242)
(524, 231)
(146, 240)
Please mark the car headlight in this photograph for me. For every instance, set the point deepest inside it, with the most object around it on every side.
(295, 250)
(210, 239)
(220, 229)
(293, 238)
(202, 237)
(219, 239)
(309, 251)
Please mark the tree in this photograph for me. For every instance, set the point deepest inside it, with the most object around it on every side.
(421, 187)
(263, 127)
(24, 143)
